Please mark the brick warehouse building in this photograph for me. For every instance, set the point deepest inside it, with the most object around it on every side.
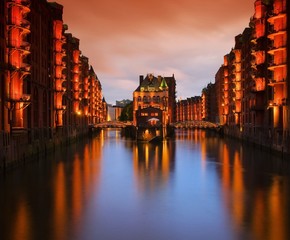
(154, 106)
(46, 84)
(252, 85)
(158, 92)
(251, 89)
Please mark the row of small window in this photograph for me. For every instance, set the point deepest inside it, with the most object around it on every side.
(149, 99)
(151, 114)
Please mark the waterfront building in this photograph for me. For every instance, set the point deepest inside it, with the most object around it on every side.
(256, 92)
(278, 104)
(154, 106)
(49, 92)
(153, 92)
(252, 85)
(16, 96)
(209, 103)
(171, 84)
(3, 34)
(189, 109)
(97, 104)
(253, 96)
(219, 95)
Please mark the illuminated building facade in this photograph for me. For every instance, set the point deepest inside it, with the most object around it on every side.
(278, 81)
(16, 98)
(208, 103)
(97, 104)
(47, 92)
(252, 101)
(154, 106)
(58, 66)
(253, 84)
(189, 109)
(44, 81)
(225, 91)
(219, 95)
(2, 62)
(85, 88)
(152, 93)
(171, 84)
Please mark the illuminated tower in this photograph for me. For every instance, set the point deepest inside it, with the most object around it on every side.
(18, 49)
(219, 94)
(237, 84)
(152, 92)
(59, 66)
(85, 86)
(96, 107)
(225, 89)
(204, 104)
(76, 80)
(278, 110)
(256, 95)
(2, 62)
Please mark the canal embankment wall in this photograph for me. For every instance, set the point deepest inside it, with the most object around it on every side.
(268, 140)
(19, 149)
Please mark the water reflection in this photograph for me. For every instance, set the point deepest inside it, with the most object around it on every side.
(254, 185)
(114, 188)
(153, 164)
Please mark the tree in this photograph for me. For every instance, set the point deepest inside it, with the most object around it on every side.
(127, 113)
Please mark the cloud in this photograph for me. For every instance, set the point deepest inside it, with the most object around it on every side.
(128, 38)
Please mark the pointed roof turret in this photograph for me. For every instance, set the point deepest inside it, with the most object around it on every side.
(163, 84)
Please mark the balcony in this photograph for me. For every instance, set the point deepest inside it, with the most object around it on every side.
(277, 102)
(276, 48)
(60, 107)
(24, 5)
(277, 64)
(60, 90)
(273, 16)
(274, 33)
(25, 45)
(275, 82)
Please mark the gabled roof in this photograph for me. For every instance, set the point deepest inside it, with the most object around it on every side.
(152, 84)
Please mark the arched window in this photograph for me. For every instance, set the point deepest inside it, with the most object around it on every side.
(139, 99)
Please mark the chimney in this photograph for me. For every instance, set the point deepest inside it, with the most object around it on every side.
(141, 78)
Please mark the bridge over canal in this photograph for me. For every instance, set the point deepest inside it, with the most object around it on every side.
(185, 124)
(113, 124)
(195, 124)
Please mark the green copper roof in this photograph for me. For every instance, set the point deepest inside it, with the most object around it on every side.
(163, 85)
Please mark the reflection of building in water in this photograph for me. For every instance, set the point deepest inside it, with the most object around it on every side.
(254, 201)
(262, 211)
(153, 163)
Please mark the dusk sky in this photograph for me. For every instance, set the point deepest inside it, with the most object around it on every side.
(128, 38)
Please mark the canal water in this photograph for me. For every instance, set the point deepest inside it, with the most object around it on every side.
(197, 186)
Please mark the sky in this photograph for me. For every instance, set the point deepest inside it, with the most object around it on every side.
(128, 38)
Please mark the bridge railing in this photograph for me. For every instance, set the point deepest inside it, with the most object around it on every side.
(195, 124)
(113, 124)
